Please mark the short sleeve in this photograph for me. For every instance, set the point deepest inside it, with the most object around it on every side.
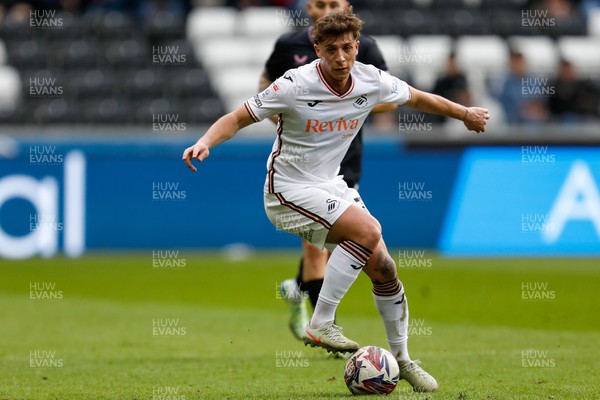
(273, 100)
(393, 90)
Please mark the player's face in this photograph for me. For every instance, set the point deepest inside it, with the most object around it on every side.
(338, 56)
(320, 8)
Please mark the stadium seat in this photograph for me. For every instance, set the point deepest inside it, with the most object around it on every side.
(79, 54)
(429, 58)
(12, 29)
(540, 53)
(223, 52)
(58, 111)
(416, 22)
(210, 22)
(594, 22)
(267, 21)
(108, 111)
(14, 115)
(29, 54)
(146, 109)
(463, 22)
(391, 47)
(164, 26)
(189, 83)
(377, 22)
(235, 84)
(494, 5)
(262, 49)
(450, 5)
(3, 55)
(11, 87)
(130, 53)
(143, 83)
(113, 25)
(93, 84)
(203, 110)
(574, 25)
(421, 3)
(584, 53)
(482, 53)
(481, 58)
(72, 28)
(506, 22)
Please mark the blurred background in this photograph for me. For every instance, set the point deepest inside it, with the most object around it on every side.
(98, 99)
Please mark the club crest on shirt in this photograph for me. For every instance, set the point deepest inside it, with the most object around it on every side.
(361, 102)
(332, 205)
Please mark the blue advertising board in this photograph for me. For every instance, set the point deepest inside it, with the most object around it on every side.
(73, 196)
(528, 200)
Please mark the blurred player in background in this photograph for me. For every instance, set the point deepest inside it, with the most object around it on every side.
(292, 50)
(321, 107)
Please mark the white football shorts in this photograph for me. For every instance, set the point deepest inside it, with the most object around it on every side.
(309, 212)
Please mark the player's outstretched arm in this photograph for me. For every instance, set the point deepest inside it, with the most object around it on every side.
(474, 118)
(224, 129)
(383, 108)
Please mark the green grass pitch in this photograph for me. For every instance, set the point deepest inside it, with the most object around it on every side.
(119, 328)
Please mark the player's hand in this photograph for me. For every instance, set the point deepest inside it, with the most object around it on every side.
(476, 118)
(199, 151)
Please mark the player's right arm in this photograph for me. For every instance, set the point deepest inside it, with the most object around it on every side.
(224, 129)
(264, 83)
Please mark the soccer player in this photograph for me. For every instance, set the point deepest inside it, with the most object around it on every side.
(321, 106)
(293, 50)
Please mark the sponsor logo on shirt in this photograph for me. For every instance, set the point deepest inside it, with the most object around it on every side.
(314, 103)
(258, 102)
(395, 86)
(340, 125)
(275, 87)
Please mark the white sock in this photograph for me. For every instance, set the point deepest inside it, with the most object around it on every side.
(393, 309)
(343, 267)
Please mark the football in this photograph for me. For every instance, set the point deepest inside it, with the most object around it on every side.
(371, 370)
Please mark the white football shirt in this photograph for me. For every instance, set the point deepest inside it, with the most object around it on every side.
(316, 123)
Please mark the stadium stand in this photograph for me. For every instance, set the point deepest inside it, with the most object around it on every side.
(107, 62)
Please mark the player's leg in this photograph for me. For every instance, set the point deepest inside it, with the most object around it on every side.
(296, 301)
(308, 281)
(356, 231)
(391, 302)
(312, 271)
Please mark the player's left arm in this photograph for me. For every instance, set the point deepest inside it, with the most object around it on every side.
(383, 108)
(474, 118)
(224, 129)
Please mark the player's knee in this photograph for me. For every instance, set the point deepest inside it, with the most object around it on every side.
(370, 234)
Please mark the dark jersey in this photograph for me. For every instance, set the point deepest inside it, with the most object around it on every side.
(295, 49)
